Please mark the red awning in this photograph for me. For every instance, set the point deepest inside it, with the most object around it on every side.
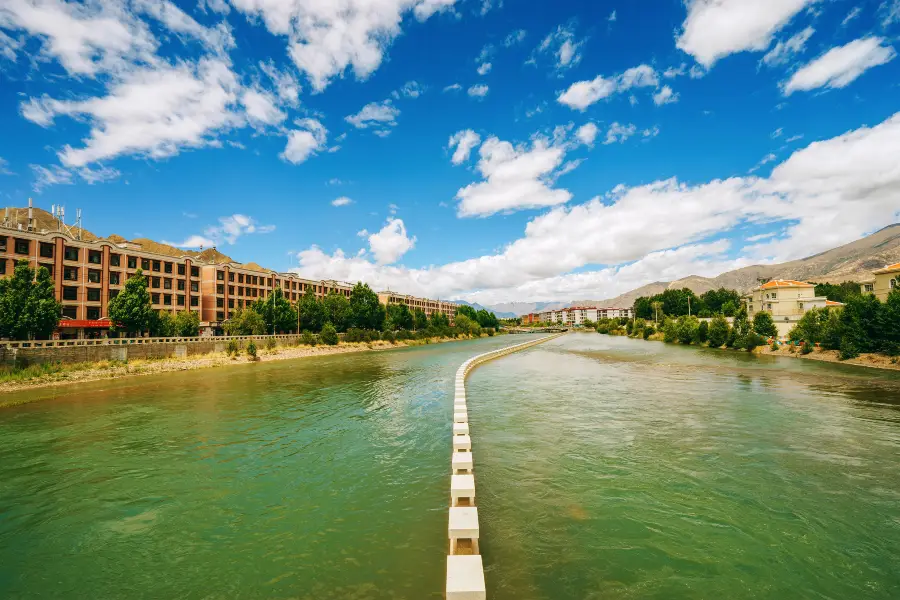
(83, 323)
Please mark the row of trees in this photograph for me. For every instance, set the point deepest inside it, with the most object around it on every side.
(676, 303)
(28, 305)
(863, 324)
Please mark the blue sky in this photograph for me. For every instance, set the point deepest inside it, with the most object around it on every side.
(480, 149)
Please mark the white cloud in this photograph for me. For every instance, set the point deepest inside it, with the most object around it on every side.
(479, 91)
(153, 112)
(391, 242)
(514, 179)
(582, 94)
(777, 133)
(714, 29)
(841, 66)
(515, 37)
(194, 241)
(53, 175)
(587, 133)
(377, 114)
(794, 138)
(261, 108)
(651, 132)
(618, 133)
(286, 85)
(665, 96)
(4, 167)
(673, 72)
(9, 46)
(484, 68)
(217, 39)
(326, 38)
(342, 201)
(232, 227)
(612, 17)
(561, 43)
(455, 87)
(854, 12)
(410, 89)
(783, 52)
(890, 11)
(304, 142)
(463, 142)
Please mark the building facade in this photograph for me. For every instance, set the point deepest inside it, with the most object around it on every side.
(785, 299)
(577, 315)
(882, 282)
(413, 303)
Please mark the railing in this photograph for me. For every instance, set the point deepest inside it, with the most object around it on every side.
(145, 340)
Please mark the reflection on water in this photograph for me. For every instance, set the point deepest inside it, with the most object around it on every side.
(607, 468)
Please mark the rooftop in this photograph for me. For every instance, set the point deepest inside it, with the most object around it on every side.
(888, 269)
(784, 283)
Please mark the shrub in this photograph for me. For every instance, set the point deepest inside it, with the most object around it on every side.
(389, 337)
(251, 350)
(329, 335)
(670, 331)
(806, 348)
(792, 349)
(702, 333)
(271, 343)
(764, 325)
(751, 341)
(686, 329)
(648, 331)
(403, 335)
(848, 350)
(489, 331)
(232, 349)
(774, 346)
(355, 335)
(308, 338)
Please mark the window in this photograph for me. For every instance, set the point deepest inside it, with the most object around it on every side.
(70, 253)
(132, 262)
(48, 266)
(22, 246)
(114, 278)
(113, 294)
(181, 269)
(70, 312)
(195, 271)
(770, 306)
(240, 278)
(95, 257)
(231, 290)
(93, 295)
(180, 299)
(93, 313)
(167, 299)
(231, 303)
(893, 283)
(869, 287)
(155, 298)
(240, 291)
(145, 264)
(70, 274)
(181, 285)
(195, 301)
(220, 289)
(774, 296)
(800, 305)
(167, 284)
(70, 293)
(220, 316)
(220, 275)
(167, 267)
(195, 287)
(220, 303)
(231, 277)
(93, 276)
(2, 243)
(46, 250)
(114, 260)
(155, 282)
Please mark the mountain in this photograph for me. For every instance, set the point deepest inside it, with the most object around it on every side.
(851, 262)
(497, 313)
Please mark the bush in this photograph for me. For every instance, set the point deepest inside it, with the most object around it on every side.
(848, 350)
(670, 331)
(686, 329)
(308, 338)
(329, 335)
(489, 331)
(271, 343)
(354, 335)
(251, 350)
(751, 341)
(232, 349)
(792, 349)
(702, 333)
(774, 346)
(806, 348)
(389, 337)
(404, 335)
(648, 331)
(764, 325)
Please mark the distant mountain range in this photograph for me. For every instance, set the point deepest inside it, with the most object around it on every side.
(497, 313)
(851, 262)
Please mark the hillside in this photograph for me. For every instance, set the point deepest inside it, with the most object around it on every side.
(851, 262)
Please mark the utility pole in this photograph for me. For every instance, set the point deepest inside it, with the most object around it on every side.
(689, 306)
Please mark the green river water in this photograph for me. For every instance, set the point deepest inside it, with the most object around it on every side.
(606, 468)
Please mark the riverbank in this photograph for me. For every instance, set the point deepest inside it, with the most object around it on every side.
(60, 375)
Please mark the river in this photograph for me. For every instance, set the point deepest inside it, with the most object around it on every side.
(606, 468)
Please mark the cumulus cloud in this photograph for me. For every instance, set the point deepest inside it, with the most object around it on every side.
(841, 66)
(391, 242)
(479, 91)
(618, 133)
(713, 29)
(583, 94)
(665, 96)
(375, 114)
(193, 241)
(261, 107)
(304, 142)
(587, 133)
(342, 201)
(462, 142)
(515, 37)
(562, 45)
(484, 68)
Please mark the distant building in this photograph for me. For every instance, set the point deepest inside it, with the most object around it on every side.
(575, 316)
(427, 305)
(884, 280)
(786, 300)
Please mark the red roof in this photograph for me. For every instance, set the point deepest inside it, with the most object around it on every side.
(86, 323)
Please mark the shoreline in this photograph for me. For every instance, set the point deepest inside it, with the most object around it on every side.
(101, 371)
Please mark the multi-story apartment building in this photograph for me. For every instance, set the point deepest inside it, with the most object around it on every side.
(884, 280)
(785, 299)
(429, 306)
(577, 315)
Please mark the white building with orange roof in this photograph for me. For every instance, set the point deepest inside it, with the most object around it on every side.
(786, 300)
(884, 281)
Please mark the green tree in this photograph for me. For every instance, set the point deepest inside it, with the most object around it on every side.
(702, 333)
(832, 330)
(439, 320)
(337, 311)
(860, 318)
(838, 292)
(245, 321)
(764, 325)
(329, 335)
(714, 301)
(729, 309)
(487, 319)
(277, 312)
(399, 317)
(889, 327)
(366, 312)
(719, 331)
(28, 306)
(469, 311)
(810, 327)
(741, 327)
(163, 324)
(643, 308)
(686, 329)
(187, 323)
(131, 309)
(420, 319)
(313, 313)
(466, 325)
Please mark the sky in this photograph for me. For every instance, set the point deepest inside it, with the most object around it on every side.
(486, 150)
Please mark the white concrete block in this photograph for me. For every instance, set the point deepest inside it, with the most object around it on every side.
(460, 429)
(462, 486)
(462, 442)
(463, 523)
(461, 461)
(460, 416)
(465, 578)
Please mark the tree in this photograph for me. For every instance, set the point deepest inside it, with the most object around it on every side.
(686, 329)
(643, 308)
(277, 312)
(702, 333)
(714, 301)
(187, 323)
(245, 321)
(741, 324)
(337, 311)
(860, 319)
(313, 313)
(329, 335)
(764, 325)
(729, 309)
(163, 324)
(468, 311)
(467, 325)
(889, 327)
(719, 331)
(832, 330)
(366, 312)
(399, 317)
(420, 319)
(810, 327)
(838, 292)
(439, 320)
(131, 309)
(487, 319)
(28, 306)
(657, 310)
